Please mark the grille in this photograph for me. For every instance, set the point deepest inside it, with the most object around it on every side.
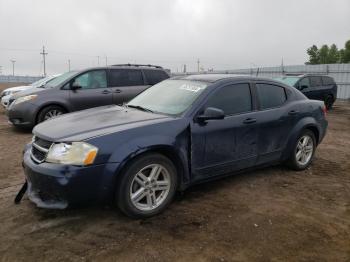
(40, 148)
(11, 100)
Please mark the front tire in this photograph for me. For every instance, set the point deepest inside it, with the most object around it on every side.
(49, 113)
(303, 152)
(147, 186)
(329, 102)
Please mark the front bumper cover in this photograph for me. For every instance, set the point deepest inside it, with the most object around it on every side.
(58, 186)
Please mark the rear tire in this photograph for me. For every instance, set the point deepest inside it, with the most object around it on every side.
(329, 102)
(147, 186)
(50, 112)
(303, 151)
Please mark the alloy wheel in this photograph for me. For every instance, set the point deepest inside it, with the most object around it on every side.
(52, 113)
(150, 187)
(304, 150)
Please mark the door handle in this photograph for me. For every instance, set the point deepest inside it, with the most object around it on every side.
(249, 121)
(293, 112)
(117, 91)
(105, 92)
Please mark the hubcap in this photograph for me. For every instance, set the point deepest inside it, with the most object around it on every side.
(52, 114)
(150, 187)
(304, 150)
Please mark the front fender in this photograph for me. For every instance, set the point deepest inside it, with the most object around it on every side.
(175, 148)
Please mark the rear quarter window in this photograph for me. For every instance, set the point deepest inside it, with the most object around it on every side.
(326, 80)
(155, 76)
(271, 96)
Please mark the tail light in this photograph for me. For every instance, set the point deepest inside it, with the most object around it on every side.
(324, 110)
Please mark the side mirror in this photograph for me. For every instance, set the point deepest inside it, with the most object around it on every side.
(75, 86)
(211, 113)
(303, 87)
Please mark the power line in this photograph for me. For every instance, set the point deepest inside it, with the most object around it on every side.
(43, 53)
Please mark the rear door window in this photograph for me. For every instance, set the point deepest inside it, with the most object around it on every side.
(232, 99)
(125, 77)
(315, 81)
(271, 96)
(155, 76)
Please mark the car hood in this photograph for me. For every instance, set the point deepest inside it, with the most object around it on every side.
(17, 88)
(94, 122)
(30, 91)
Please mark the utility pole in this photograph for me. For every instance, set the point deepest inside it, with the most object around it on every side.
(68, 65)
(184, 68)
(106, 60)
(43, 53)
(13, 66)
(198, 65)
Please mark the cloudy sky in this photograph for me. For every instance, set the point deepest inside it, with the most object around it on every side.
(223, 34)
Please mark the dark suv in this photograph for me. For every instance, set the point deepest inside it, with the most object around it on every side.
(318, 87)
(77, 90)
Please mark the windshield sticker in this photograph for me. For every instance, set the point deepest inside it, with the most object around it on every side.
(192, 88)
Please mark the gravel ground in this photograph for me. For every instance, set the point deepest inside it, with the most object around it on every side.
(271, 214)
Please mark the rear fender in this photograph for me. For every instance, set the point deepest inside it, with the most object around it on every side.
(303, 124)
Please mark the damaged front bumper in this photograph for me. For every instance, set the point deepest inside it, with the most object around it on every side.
(58, 186)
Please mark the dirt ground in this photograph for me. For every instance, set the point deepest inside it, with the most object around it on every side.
(271, 214)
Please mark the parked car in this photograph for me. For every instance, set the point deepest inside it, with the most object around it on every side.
(7, 93)
(177, 133)
(77, 90)
(319, 87)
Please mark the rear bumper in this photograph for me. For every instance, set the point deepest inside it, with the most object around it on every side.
(58, 186)
(322, 130)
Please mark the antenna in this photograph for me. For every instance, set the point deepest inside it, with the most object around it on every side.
(43, 53)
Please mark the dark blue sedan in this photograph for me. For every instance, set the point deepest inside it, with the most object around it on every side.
(175, 134)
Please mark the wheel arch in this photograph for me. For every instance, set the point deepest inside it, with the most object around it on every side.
(41, 108)
(165, 150)
(307, 123)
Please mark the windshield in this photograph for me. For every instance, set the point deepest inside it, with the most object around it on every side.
(289, 80)
(60, 79)
(171, 97)
(40, 82)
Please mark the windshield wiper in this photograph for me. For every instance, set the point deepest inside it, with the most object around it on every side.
(140, 108)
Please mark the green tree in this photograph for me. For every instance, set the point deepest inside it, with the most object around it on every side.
(323, 53)
(333, 55)
(314, 57)
(328, 55)
(344, 54)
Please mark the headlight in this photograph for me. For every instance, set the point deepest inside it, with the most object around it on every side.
(75, 153)
(23, 99)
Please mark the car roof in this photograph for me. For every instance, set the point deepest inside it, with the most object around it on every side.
(127, 66)
(211, 78)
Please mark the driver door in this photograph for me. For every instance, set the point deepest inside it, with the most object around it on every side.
(92, 90)
(229, 144)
